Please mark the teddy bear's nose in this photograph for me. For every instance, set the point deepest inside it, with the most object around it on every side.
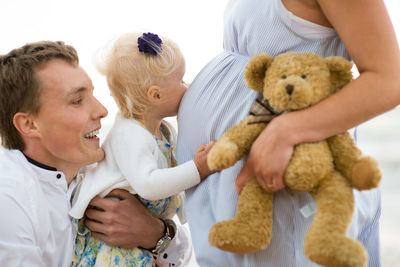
(289, 88)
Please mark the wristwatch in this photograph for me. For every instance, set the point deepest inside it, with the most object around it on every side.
(169, 234)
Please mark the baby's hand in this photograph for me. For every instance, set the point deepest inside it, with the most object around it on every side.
(200, 159)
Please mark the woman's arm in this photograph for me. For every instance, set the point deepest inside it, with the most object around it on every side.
(367, 33)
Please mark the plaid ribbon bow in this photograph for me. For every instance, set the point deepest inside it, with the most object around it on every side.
(262, 112)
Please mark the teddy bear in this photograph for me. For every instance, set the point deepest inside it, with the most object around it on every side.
(328, 170)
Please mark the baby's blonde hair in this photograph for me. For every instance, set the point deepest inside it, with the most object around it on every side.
(130, 73)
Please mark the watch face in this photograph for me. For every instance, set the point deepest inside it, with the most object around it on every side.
(162, 244)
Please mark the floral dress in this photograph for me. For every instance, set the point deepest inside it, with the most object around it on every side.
(89, 251)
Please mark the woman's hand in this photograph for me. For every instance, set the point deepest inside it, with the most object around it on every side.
(268, 157)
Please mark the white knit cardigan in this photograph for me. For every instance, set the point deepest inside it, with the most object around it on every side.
(133, 161)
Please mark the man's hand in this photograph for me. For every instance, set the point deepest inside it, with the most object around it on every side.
(268, 159)
(126, 223)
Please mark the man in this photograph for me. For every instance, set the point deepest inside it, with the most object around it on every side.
(49, 122)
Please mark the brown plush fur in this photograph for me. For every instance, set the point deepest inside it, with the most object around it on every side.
(328, 170)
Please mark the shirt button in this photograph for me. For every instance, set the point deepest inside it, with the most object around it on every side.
(165, 255)
(58, 176)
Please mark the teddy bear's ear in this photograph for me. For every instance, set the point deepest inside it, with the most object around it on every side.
(255, 71)
(340, 69)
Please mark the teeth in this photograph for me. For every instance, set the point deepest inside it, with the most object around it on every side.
(92, 134)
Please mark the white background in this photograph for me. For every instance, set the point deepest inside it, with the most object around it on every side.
(197, 28)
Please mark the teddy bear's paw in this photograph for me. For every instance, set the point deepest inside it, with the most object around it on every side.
(238, 237)
(222, 155)
(365, 174)
(336, 252)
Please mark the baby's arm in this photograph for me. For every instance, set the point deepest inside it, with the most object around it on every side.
(136, 154)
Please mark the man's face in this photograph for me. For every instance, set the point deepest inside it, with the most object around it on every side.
(69, 117)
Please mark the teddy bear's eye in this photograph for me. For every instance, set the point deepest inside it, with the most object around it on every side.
(284, 76)
(303, 76)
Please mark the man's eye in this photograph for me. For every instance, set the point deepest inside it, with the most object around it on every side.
(77, 101)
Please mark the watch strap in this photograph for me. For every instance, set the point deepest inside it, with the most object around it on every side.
(163, 242)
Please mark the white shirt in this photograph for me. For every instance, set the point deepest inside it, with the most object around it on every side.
(35, 229)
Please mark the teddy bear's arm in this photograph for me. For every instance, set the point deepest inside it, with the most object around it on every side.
(234, 144)
(362, 171)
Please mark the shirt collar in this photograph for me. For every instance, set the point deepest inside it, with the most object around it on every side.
(46, 173)
(38, 164)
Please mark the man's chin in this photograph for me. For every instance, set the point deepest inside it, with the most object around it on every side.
(96, 157)
(100, 155)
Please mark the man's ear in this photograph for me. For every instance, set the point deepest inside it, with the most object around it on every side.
(26, 125)
(154, 94)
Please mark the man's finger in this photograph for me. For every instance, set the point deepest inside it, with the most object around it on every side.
(95, 214)
(95, 226)
(244, 175)
(101, 203)
(100, 236)
(119, 193)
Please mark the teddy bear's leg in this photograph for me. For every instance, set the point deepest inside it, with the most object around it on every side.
(251, 229)
(326, 242)
(234, 144)
(362, 171)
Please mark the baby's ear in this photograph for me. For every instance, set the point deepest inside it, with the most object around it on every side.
(154, 94)
(340, 69)
(255, 71)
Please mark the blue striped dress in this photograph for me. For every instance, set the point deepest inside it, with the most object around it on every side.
(218, 99)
